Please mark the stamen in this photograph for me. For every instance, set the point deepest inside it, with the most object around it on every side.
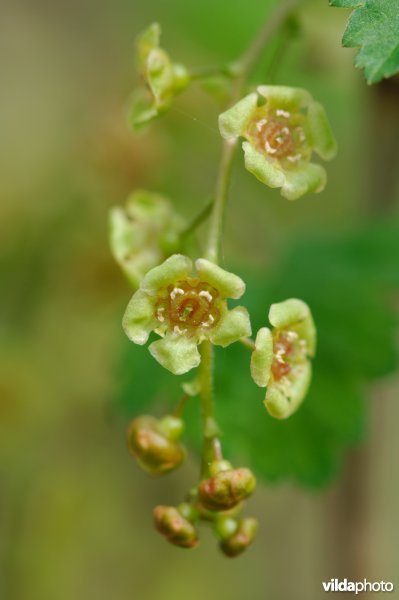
(269, 149)
(175, 292)
(178, 331)
(206, 294)
(283, 113)
(260, 124)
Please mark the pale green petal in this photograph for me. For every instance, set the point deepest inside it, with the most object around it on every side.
(287, 313)
(233, 325)
(233, 122)
(302, 180)
(228, 284)
(136, 266)
(258, 165)
(120, 234)
(323, 140)
(174, 268)
(176, 353)
(262, 357)
(148, 40)
(160, 76)
(284, 397)
(128, 241)
(148, 206)
(295, 314)
(288, 98)
(139, 319)
(141, 111)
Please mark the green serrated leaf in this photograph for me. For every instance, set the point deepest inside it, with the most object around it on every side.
(374, 28)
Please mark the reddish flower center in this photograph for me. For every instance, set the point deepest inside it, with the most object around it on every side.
(188, 306)
(279, 134)
(275, 138)
(283, 349)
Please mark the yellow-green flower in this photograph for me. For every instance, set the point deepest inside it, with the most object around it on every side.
(185, 310)
(143, 233)
(282, 127)
(280, 360)
(162, 78)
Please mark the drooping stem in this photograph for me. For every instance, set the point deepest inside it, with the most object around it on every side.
(204, 72)
(251, 56)
(243, 69)
(222, 186)
(179, 409)
(197, 221)
(210, 429)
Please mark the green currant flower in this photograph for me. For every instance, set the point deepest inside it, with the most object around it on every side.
(143, 233)
(185, 310)
(282, 127)
(162, 78)
(280, 360)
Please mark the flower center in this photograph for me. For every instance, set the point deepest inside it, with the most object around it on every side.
(279, 134)
(275, 138)
(189, 305)
(283, 350)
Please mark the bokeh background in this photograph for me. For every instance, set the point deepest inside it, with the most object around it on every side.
(75, 511)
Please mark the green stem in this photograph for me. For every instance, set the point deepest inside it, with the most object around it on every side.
(181, 406)
(197, 221)
(204, 72)
(217, 217)
(209, 426)
(244, 68)
(271, 25)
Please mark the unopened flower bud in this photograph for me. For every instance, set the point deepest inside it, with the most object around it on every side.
(155, 451)
(226, 489)
(177, 530)
(171, 426)
(219, 465)
(241, 539)
(225, 527)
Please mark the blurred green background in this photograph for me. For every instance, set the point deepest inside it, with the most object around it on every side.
(75, 510)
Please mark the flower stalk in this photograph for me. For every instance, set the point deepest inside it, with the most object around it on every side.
(243, 68)
(184, 302)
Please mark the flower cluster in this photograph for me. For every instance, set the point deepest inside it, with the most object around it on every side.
(143, 234)
(162, 79)
(218, 500)
(185, 310)
(185, 304)
(280, 360)
(282, 126)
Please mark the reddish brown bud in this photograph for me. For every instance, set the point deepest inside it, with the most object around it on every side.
(177, 530)
(154, 450)
(226, 489)
(241, 539)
